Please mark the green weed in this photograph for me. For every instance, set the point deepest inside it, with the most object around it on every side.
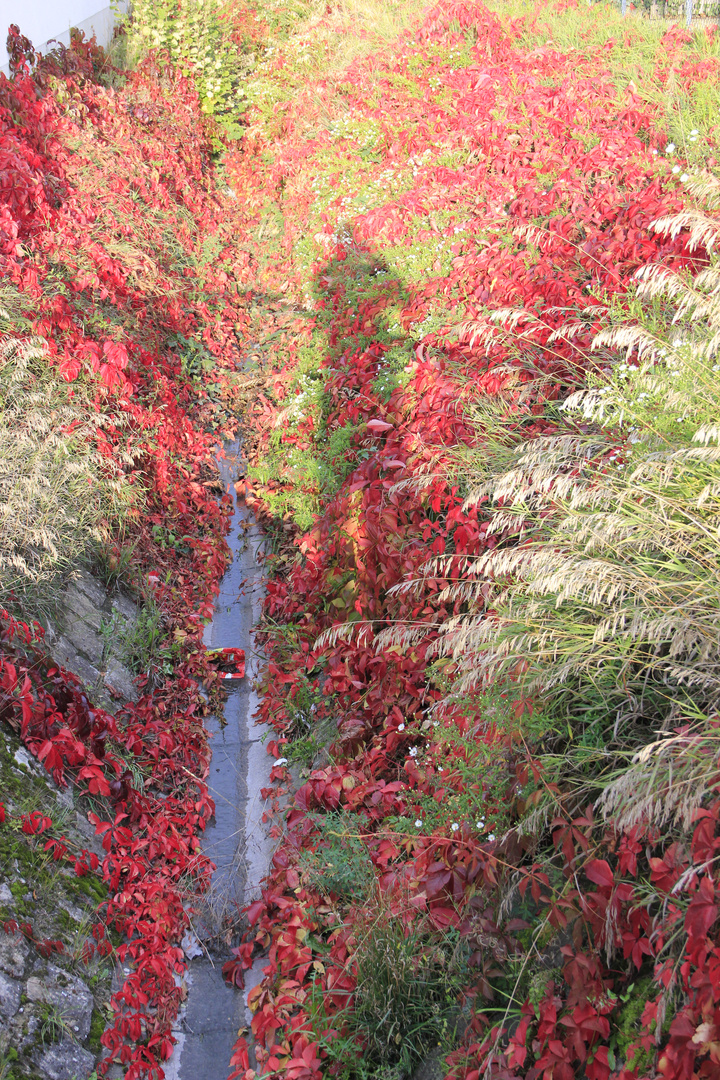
(145, 646)
(166, 537)
(341, 864)
(405, 1005)
(196, 362)
(53, 1025)
(112, 562)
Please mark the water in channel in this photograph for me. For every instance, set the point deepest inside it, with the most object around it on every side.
(236, 840)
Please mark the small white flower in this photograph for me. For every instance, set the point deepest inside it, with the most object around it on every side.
(694, 131)
(480, 824)
(655, 153)
(440, 768)
(413, 752)
(669, 149)
(436, 723)
(454, 826)
(418, 823)
(716, 367)
(491, 836)
(401, 727)
(676, 169)
(684, 178)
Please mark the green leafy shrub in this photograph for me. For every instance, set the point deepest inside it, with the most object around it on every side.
(341, 863)
(145, 644)
(196, 37)
(196, 361)
(310, 469)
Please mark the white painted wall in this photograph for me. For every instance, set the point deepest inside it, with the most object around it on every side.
(42, 20)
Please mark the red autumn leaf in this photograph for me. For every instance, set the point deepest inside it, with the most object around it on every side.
(377, 426)
(233, 973)
(598, 871)
(254, 911)
(116, 354)
(35, 823)
(70, 368)
(703, 911)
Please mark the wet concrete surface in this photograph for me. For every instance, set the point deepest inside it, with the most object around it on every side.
(236, 840)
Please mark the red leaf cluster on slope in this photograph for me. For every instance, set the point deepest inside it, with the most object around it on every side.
(106, 199)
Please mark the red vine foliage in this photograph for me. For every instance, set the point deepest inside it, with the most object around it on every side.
(562, 246)
(106, 200)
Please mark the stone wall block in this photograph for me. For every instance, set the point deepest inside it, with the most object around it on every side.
(10, 990)
(68, 994)
(82, 607)
(14, 952)
(118, 677)
(90, 639)
(87, 641)
(65, 1061)
(93, 589)
(124, 607)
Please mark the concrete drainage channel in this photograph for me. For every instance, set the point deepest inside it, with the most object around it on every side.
(236, 841)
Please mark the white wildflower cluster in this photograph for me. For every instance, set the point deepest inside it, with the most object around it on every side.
(670, 150)
(416, 261)
(434, 320)
(419, 161)
(457, 52)
(296, 410)
(361, 130)
(388, 184)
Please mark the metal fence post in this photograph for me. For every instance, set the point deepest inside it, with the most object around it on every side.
(624, 6)
(688, 12)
